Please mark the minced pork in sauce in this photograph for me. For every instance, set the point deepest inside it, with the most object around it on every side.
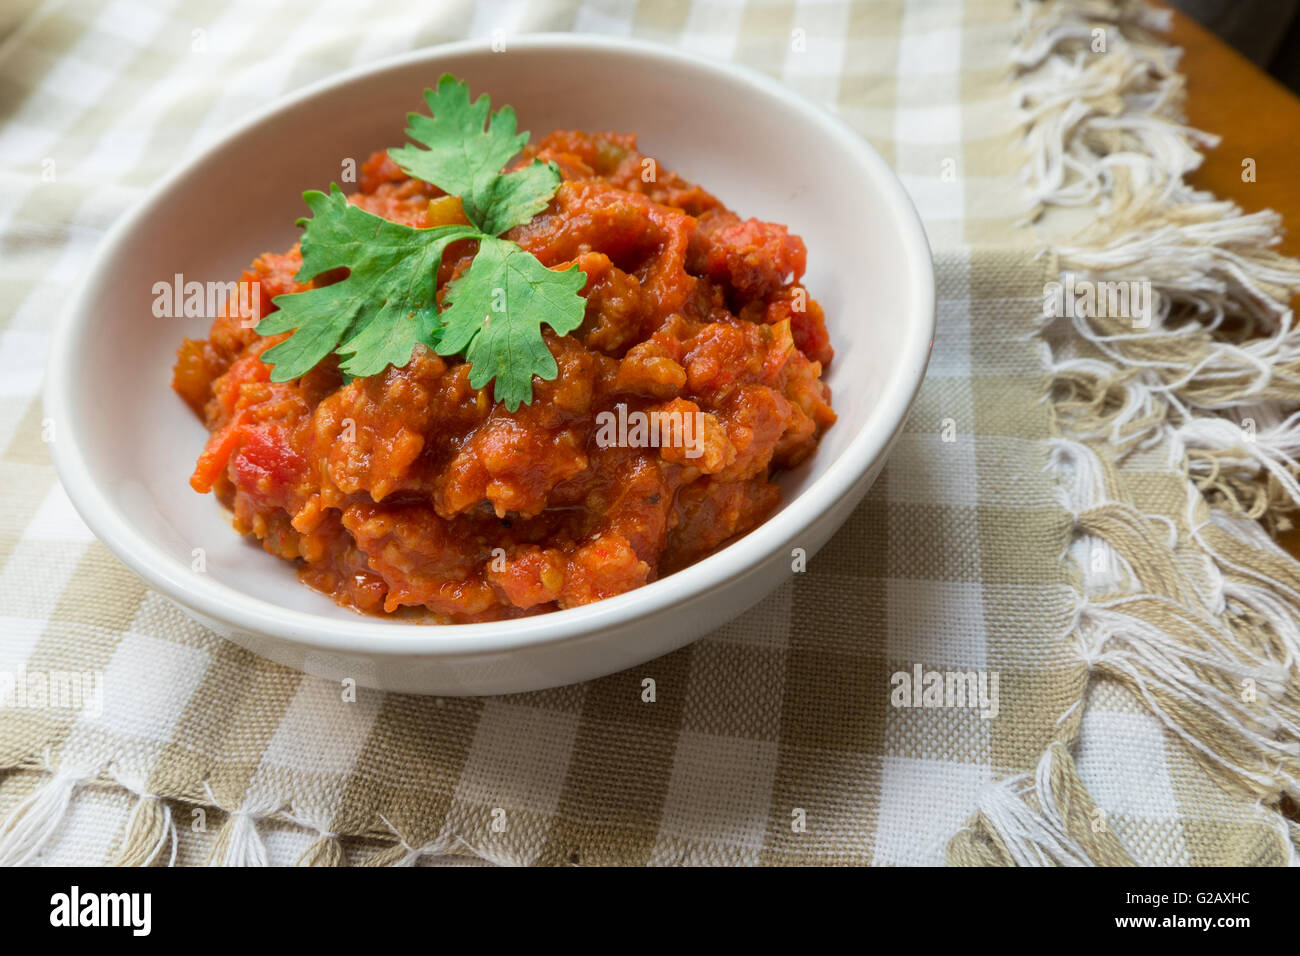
(412, 490)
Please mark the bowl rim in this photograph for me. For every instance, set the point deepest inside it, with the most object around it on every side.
(377, 637)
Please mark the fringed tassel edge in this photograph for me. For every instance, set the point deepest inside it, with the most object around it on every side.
(1198, 616)
(151, 836)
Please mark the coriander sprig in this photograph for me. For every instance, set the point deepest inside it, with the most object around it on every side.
(465, 149)
(385, 306)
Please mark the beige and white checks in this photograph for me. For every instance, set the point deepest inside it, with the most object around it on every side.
(773, 740)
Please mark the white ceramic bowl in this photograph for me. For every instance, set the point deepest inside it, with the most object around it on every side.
(126, 444)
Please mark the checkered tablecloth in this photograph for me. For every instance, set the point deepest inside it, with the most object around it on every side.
(774, 739)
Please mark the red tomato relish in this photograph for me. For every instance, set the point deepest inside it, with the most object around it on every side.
(411, 492)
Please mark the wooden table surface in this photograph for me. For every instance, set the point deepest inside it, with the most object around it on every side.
(1257, 118)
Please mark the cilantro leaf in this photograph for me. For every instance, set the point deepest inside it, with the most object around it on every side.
(515, 198)
(464, 152)
(496, 313)
(375, 316)
(386, 305)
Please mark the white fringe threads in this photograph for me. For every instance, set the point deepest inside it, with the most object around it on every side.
(1196, 611)
(35, 821)
(1046, 820)
(238, 842)
(151, 835)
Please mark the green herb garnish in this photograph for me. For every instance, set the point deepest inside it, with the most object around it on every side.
(465, 150)
(502, 343)
(495, 311)
(374, 317)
